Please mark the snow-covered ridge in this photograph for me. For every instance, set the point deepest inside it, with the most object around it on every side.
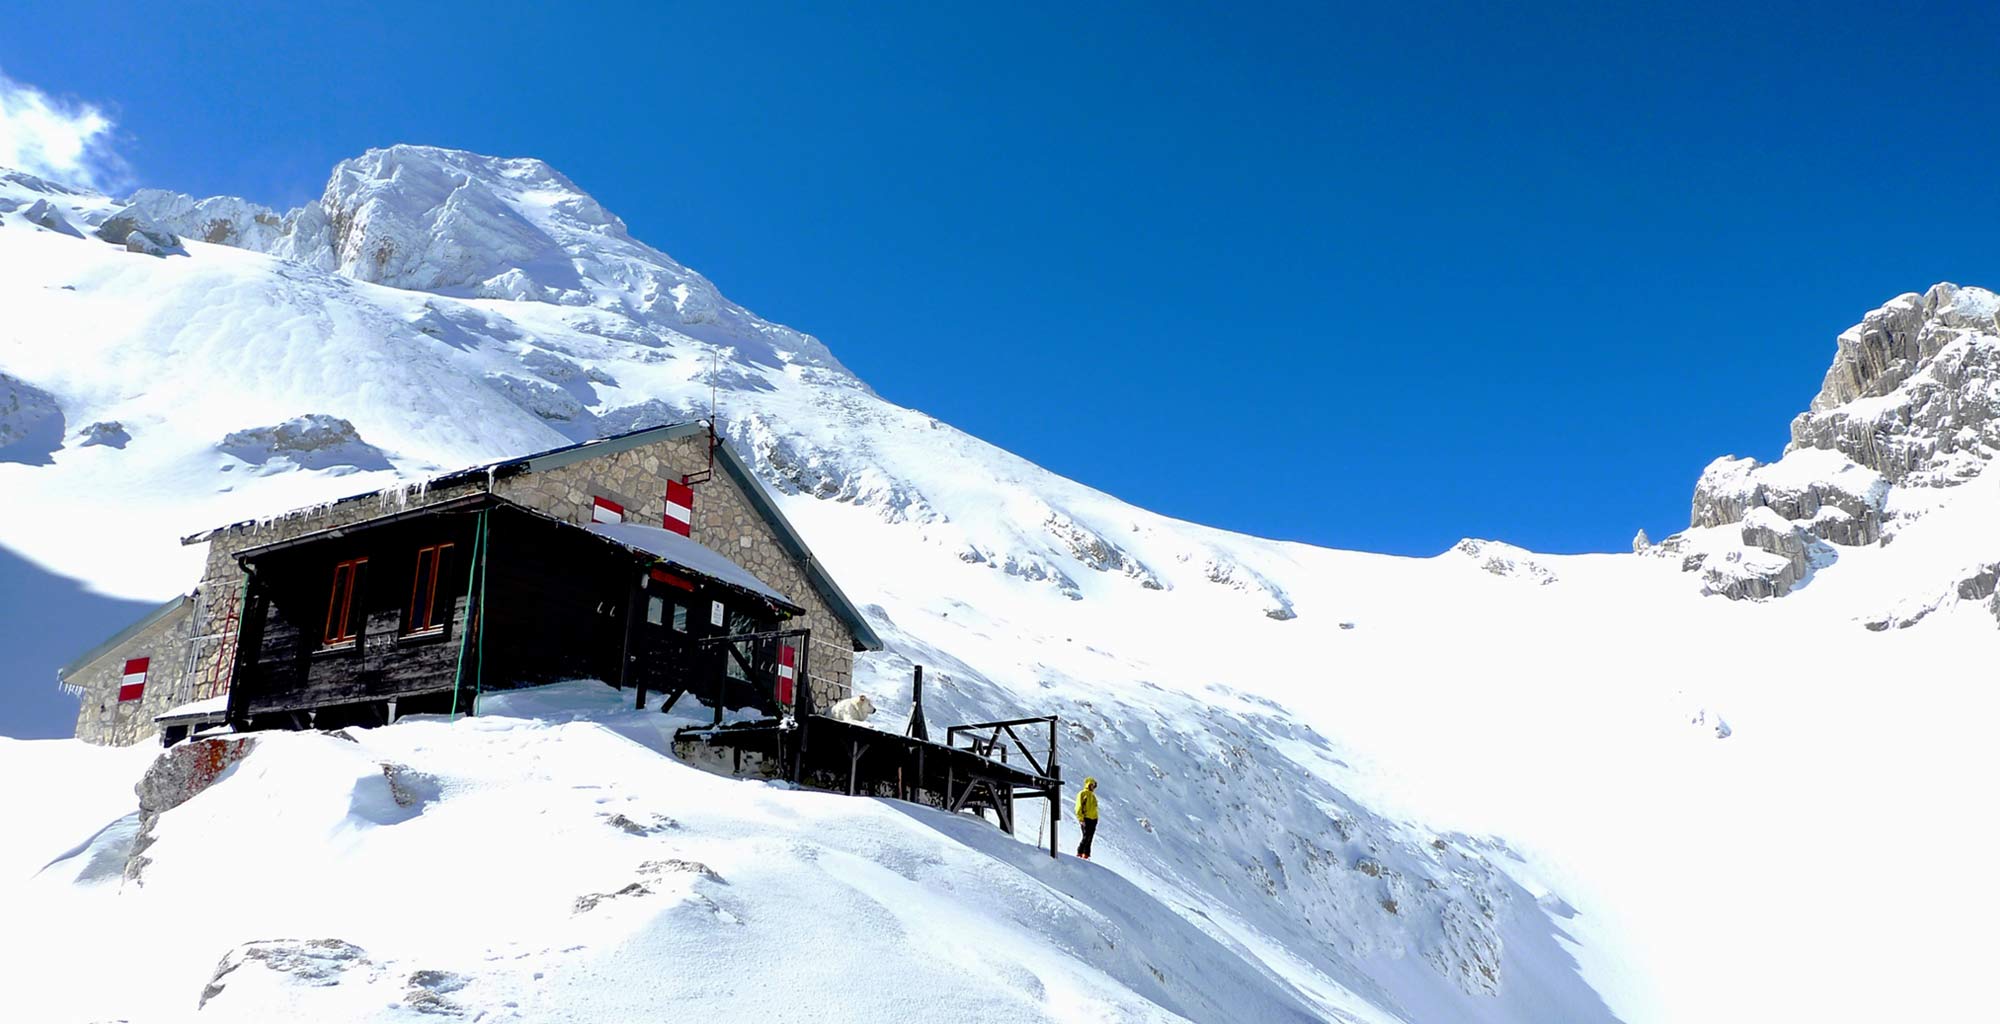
(456, 223)
(1484, 786)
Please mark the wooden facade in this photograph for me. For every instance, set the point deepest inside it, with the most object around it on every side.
(431, 607)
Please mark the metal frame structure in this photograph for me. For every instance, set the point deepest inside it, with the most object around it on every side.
(991, 741)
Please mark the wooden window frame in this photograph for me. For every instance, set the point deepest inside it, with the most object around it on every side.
(417, 627)
(340, 608)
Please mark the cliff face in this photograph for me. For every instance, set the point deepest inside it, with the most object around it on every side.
(1911, 402)
(1914, 389)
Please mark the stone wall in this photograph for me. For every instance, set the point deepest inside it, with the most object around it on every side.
(724, 520)
(101, 716)
(636, 478)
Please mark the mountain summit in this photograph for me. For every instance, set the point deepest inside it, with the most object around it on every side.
(454, 223)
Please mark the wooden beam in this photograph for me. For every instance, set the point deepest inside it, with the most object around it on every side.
(632, 615)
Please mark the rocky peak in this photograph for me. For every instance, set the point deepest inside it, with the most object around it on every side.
(462, 225)
(1914, 389)
(1912, 400)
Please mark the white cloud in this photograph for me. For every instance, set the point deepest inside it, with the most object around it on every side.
(66, 141)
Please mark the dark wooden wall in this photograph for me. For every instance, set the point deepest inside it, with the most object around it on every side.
(282, 665)
(556, 603)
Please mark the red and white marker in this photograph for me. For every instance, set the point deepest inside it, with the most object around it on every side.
(787, 657)
(604, 510)
(680, 509)
(133, 685)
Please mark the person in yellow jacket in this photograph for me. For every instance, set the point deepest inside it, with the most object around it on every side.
(1086, 815)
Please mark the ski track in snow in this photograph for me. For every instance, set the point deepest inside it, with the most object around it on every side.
(1488, 758)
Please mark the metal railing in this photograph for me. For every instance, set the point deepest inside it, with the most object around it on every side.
(993, 740)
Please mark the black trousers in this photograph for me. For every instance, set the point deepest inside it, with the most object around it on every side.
(1089, 832)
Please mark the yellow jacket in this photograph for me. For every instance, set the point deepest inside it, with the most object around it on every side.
(1086, 801)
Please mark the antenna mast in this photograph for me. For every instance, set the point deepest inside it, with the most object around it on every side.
(714, 439)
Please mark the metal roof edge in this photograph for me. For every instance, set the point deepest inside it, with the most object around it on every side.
(865, 637)
(82, 661)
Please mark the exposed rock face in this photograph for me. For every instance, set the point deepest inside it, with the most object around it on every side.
(1794, 552)
(173, 779)
(1840, 502)
(1912, 400)
(1914, 390)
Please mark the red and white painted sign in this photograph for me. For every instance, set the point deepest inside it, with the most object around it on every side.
(604, 510)
(680, 509)
(133, 686)
(787, 674)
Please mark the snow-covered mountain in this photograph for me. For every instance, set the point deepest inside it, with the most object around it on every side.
(1491, 785)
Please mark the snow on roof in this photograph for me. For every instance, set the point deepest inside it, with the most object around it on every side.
(204, 708)
(688, 554)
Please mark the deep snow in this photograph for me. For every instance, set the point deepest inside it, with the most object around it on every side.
(1391, 776)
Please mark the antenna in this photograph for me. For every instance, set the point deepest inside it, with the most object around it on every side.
(714, 440)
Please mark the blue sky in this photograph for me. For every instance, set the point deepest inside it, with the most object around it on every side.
(1367, 278)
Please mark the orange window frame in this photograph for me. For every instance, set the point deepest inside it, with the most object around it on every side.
(422, 616)
(340, 604)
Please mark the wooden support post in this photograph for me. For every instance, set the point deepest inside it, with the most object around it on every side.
(1055, 788)
(855, 749)
(631, 628)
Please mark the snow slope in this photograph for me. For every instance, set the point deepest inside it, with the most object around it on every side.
(1491, 785)
(539, 864)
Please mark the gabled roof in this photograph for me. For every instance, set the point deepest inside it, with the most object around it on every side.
(83, 660)
(865, 637)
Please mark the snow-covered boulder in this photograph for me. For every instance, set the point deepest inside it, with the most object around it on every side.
(139, 233)
(43, 214)
(312, 441)
(108, 433)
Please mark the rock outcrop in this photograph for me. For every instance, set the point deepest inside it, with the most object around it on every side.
(1912, 399)
(139, 233)
(43, 214)
(1839, 501)
(31, 422)
(312, 441)
(1914, 389)
(222, 220)
(176, 777)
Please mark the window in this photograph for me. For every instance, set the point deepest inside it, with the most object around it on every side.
(656, 610)
(341, 624)
(424, 613)
(680, 618)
